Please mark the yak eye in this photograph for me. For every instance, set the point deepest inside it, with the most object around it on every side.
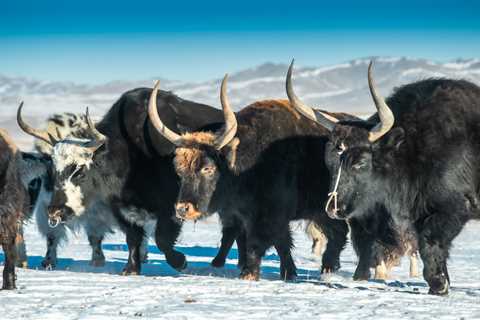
(207, 170)
(340, 148)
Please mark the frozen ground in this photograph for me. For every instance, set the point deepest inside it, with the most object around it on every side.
(78, 291)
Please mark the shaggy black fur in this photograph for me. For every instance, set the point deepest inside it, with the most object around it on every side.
(135, 166)
(423, 173)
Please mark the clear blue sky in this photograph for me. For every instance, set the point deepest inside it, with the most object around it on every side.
(97, 41)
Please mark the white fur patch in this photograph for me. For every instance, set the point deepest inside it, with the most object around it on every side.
(71, 152)
(74, 197)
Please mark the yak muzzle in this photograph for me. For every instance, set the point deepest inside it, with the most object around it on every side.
(187, 211)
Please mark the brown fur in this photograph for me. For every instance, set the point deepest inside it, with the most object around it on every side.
(271, 104)
(186, 159)
(14, 202)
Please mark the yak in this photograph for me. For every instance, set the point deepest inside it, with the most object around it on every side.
(17, 193)
(125, 167)
(415, 161)
(261, 169)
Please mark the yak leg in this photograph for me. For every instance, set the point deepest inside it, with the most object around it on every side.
(9, 267)
(135, 236)
(255, 250)
(144, 250)
(98, 258)
(363, 244)
(283, 245)
(436, 234)
(381, 271)
(414, 265)
(229, 234)
(336, 232)
(166, 234)
(22, 260)
(242, 249)
(53, 237)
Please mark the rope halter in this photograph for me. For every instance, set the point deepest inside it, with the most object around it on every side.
(332, 196)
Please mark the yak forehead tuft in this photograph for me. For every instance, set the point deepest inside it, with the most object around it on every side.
(187, 159)
(74, 197)
(71, 152)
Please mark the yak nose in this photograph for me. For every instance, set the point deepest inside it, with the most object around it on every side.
(182, 208)
(54, 216)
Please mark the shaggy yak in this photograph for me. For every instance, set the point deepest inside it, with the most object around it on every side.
(124, 167)
(260, 169)
(17, 171)
(414, 162)
(378, 242)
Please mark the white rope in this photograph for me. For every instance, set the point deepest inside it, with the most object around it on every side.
(333, 195)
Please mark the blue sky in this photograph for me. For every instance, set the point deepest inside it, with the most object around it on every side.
(97, 41)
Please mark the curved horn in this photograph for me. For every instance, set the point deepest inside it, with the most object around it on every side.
(98, 138)
(384, 113)
(229, 115)
(39, 134)
(171, 136)
(324, 119)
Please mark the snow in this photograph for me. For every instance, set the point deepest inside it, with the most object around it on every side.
(78, 291)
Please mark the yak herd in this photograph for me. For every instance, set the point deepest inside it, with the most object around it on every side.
(402, 183)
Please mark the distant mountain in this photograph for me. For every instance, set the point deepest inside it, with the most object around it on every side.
(341, 87)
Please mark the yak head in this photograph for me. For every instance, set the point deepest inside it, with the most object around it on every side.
(72, 161)
(201, 158)
(356, 154)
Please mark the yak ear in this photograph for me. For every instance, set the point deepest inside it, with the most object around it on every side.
(230, 152)
(395, 138)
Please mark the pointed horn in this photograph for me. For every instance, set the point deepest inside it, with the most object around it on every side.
(39, 134)
(384, 113)
(230, 119)
(171, 136)
(98, 138)
(324, 119)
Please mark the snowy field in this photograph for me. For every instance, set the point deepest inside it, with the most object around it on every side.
(77, 291)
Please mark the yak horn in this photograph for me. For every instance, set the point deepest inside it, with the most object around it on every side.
(230, 120)
(384, 113)
(39, 134)
(98, 138)
(171, 136)
(324, 119)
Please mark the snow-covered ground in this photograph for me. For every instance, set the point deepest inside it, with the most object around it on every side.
(77, 291)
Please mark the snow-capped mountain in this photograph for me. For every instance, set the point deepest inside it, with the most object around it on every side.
(341, 87)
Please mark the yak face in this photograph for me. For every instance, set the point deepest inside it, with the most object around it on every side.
(198, 167)
(74, 183)
(72, 160)
(348, 156)
(357, 167)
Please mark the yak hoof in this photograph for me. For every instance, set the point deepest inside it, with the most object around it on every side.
(97, 262)
(177, 260)
(361, 276)
(218, 262)
(250, 276)
(289, 276)
(327, 270)
(48, 264)
(128, 272)
(9, 282)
